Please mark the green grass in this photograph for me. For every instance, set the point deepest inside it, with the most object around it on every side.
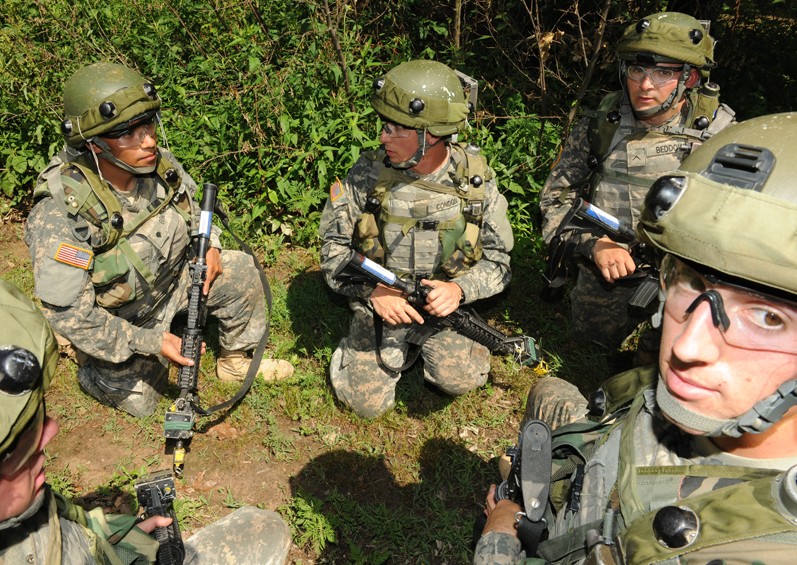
(403, 488)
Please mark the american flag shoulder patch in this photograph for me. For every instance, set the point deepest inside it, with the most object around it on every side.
(75, 256)
(336, 190)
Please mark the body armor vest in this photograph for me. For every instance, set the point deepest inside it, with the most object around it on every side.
(420, 228)
(626, 160)
(121, 241)
(646, 503)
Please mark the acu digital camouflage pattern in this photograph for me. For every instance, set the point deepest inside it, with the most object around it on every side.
(638, 155)
(55, 534)
(118, 324)
(452, 362)
(554, 401)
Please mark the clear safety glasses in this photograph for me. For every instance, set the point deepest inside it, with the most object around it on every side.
(657, 75)
(395, 130)
(745, 319)
(135, 137)
(25, 445)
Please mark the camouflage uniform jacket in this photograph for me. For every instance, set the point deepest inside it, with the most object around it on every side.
(346, 203)
(637, 155)
(110, 317)
(54, 532)
(637, 463)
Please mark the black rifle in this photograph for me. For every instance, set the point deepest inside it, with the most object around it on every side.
(155, 493)
(584, 217)
(179, 423)
(360, 269)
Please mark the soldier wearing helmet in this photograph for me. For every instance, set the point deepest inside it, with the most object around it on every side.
(694, 460)
(666, 109)
(427, 208)
(110, 238)
(40, 526)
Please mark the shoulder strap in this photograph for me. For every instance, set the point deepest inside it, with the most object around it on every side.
(601, 127)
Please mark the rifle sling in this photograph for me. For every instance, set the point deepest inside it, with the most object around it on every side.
(260, 349)
(413, 352)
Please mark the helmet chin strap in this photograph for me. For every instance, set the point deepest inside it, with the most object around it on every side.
(106, 154)
(756, 420)
(416, 158)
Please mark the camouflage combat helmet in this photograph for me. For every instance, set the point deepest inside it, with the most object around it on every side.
(667, 37)
(731, 209)
(106, 98)
(28, 358)
(422, 95)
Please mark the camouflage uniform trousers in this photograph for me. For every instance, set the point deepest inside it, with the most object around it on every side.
(235, 299)
(554, 401)
(452, 362)
(600, 312)
(247, 536)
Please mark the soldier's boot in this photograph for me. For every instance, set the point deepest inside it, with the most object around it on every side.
(233, 366)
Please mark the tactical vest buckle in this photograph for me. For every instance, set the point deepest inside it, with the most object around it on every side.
(427, 224)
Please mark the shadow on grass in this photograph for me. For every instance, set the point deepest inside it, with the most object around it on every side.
(375, 519)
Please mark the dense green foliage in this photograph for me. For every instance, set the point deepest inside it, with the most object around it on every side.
(269, 98)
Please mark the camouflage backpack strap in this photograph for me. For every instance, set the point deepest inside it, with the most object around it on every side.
(472, 173)
(366, 237)
(93, 199)
(707, 116)
(602, 126)
(619, 390)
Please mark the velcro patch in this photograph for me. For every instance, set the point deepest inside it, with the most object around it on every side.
(336, 190)
(75, 256)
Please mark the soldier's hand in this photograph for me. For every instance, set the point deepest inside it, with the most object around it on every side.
(149, 525)
(444, 297)
(392, 307)
(213, 260)
(171, 348)
(500, 515)
(613, 260)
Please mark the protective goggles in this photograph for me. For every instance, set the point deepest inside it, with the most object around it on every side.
(745, 318)
(134, 137)
(657, 75)
(395, 130)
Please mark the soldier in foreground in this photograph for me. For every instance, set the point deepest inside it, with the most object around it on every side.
(666, 109)
(426, 208)
(694, 460)
(38, 525)
(110, 240)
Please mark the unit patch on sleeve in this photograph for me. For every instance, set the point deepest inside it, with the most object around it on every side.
(75, 256)
(335, 190)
